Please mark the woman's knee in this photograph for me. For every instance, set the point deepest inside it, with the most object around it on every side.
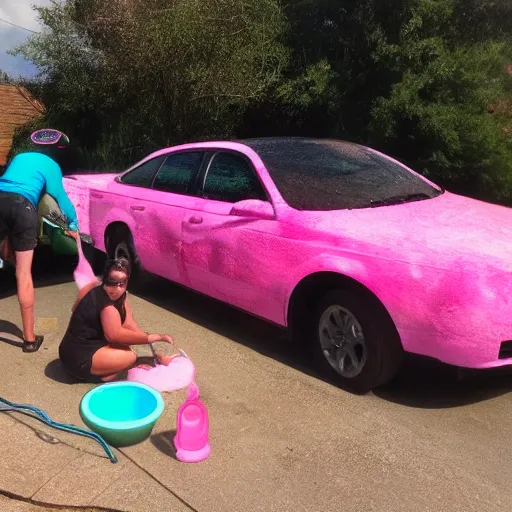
(110, 360)
(127, 355)
(127, 352)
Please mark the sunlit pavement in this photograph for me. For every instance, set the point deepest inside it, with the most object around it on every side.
(282, 439)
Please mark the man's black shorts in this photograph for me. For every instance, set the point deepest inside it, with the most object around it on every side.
(18, 221)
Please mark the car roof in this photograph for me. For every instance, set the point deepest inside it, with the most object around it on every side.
(255, 144)
(269, 142)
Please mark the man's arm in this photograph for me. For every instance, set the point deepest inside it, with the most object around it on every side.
(55, 188)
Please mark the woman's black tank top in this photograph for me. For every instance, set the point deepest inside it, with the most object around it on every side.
(85, 323)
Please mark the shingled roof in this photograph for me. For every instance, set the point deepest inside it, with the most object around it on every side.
(16, 108)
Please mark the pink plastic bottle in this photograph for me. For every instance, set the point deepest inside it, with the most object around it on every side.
(192, 427)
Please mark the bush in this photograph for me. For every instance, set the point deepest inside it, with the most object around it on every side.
(413, 78)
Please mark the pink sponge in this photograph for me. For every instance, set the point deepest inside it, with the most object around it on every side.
(178, 374)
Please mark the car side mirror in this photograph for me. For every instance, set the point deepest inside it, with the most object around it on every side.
(253, 208)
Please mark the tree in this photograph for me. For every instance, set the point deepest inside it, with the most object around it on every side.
(413, 78)
(125, 77)
(436, 115)
(423, 80)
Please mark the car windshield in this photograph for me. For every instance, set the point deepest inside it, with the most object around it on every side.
(316, 174)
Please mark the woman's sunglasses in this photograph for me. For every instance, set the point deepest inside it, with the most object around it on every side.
(116, 284)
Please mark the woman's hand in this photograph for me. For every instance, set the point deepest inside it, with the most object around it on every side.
(152, 338)
(165, 360)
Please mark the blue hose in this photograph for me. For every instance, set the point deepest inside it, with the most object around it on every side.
(34, 412)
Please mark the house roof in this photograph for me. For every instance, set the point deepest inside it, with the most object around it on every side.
(17, 107)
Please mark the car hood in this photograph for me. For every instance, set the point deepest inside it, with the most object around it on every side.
(434, 232)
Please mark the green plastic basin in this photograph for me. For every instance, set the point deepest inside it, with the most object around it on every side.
(123, 413)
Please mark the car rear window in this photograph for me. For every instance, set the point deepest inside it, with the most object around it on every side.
(317, 174)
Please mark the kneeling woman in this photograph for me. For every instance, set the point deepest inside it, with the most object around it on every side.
(96, 346)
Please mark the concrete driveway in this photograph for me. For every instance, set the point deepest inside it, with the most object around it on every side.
(282, 439)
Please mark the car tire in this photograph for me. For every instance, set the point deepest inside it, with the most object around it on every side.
(120, 244)
(373, 340)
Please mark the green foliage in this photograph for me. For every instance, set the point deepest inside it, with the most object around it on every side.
(21, 139)
(437, 114)
(414, 78)
(122, 78)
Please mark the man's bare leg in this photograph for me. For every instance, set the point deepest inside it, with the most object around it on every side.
(26, 292)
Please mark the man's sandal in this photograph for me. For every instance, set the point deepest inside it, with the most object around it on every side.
(33, 346)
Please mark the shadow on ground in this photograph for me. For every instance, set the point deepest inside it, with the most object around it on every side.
(48, 434)
(47, 270)
(428, 384)
(164, 442)
(55, 371)
(422, 383)
(229, 322)
(7, 327)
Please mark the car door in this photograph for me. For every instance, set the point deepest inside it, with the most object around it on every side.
(123, 200)
(226, 256)
(160, 216)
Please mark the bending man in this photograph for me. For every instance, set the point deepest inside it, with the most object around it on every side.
(20, 191)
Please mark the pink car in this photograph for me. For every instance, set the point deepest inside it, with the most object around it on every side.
(360, 257)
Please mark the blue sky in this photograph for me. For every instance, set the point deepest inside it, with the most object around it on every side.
(20, 13)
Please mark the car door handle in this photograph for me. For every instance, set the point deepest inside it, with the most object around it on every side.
(137, 208)
(95, 194)
(195, 219)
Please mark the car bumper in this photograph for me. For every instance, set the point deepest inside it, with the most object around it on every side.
(464, 350)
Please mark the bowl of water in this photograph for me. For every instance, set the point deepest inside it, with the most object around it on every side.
(123, 413)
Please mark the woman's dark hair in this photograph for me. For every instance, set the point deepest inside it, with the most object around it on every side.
(120, 264)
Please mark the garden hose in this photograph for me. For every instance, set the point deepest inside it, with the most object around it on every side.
(34, 412)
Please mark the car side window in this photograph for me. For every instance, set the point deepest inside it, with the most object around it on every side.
(177, 172)
(143, 175)
(231, 178)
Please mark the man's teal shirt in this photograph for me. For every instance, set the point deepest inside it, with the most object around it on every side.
(30, 173)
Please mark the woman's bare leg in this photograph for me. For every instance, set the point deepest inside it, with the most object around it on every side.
(108, 361)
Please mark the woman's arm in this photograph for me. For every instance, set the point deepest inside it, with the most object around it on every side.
(116, 333)
(83, 292)
(130, 322)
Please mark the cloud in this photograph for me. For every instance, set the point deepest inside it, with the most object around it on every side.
(19, 12)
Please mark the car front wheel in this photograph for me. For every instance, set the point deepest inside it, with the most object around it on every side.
(120, 245)
(354, 342)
